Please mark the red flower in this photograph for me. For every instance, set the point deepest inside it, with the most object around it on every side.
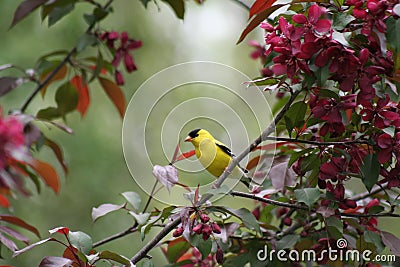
(313, 22)
(383, 114)
(12, 140)
(388, 145)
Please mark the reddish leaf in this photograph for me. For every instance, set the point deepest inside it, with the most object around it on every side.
(104, 209)
(257, 20)
(24, 9)
(17, 221)
(71, 253)
(196, 195)
(253, 163)
(51, 261)
(59, 75)
(9, 83)
(14, 234)
(281, 175)
(115, 93)
(83, 92)
(58, 152)
(48, 174)
(391, 241)
(259, 6)
(4, 202)
(61, 230)
(8, 243)
(25, 249)
(185, 155)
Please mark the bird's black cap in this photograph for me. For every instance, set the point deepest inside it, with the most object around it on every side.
(194, 133)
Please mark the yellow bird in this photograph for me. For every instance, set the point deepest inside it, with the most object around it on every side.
(214, 155)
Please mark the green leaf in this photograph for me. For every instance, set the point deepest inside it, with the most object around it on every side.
(296, 114)
(310, 162)
(81, 241)
(374, 238)
(85, 40)
(307, 195)
(141, 218)
(392, 33)
(329, 94)
(204, 247)
(288, 241)
(245, 216)
(375, 209)
(178, 6)
(57, 10)
(133, 198)
(341, 19)
(322, 75)
(67, 98)
(335, 227)
(369, 170)
(176, 249)
(296, 155)
(108, 255)
(49, 113)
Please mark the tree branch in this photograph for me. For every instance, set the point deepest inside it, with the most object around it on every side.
(301, 207)
(269, 201)
(126, 232)
(58, 67)
(317, 143)
(153, 242)
(364, 195)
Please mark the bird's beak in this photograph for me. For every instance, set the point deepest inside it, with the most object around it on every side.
(188, 139)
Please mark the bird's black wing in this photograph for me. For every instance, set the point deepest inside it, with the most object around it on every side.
(228, 151)
(225, 149)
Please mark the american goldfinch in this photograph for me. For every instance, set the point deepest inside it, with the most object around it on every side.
(214, 155)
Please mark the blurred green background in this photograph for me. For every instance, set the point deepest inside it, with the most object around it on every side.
(98, 172)
(94, 155)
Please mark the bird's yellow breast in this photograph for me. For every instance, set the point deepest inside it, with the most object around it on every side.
(213, 158)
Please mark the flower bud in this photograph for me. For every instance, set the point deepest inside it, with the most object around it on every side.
(215, 228)
(177, 232)
(219, 255)
(198, 228)
(287, 221)
(204, 218)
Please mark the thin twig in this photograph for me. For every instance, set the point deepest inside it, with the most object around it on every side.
(364, 195)
(126, 232)
(301, 207)
(317, 143)
(269, 201)
(58, 67)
